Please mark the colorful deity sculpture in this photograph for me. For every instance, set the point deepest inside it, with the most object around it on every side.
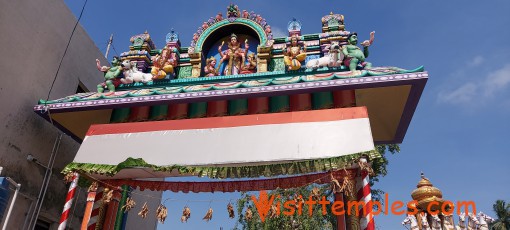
(234, 55)
(294, 54)
(251, 66)
(111, 75)
(210, 68)
(233, 11)
(246, 14)
(219, 17)
(353, 54)
(163, 64)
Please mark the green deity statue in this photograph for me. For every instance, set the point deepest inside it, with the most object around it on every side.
(110, 75)
(354, 55)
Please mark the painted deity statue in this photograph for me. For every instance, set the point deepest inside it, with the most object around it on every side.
(110, 75)
(234, 55)
(251, 66)
(210, 67)
(294, 54)
(163, 64)
(353, 54)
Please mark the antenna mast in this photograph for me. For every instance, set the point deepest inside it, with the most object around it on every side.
(108, 47)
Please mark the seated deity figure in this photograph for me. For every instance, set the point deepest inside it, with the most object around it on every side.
(295, 54)
(210, 67)
(163, 64)
(353, 54)
(111, 75)
(251, 66)
(234, 55)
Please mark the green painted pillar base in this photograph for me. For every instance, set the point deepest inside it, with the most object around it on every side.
(238, 107)
(322, 100)
(120, 211)
(279, 104)
(158, 112)
(120, 115)
(197, 110)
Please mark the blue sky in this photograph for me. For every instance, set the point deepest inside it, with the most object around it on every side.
(461, 128)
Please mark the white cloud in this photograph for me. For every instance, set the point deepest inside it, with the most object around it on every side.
(497, 80)
(463, 94)
(478, 90)
(476, 61)
(278, 32)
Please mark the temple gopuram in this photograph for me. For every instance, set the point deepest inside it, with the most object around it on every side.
(271, 112)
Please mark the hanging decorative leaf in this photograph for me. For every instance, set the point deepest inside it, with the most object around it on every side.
(68, 177)
(335, 185)
(161, 213)
(208, 215)
(186, 214)
(348, 187)
(298, 199)
(249, 214)
(230, 210)
(108, 195)
(273, 212)
(145, 210)
(130, 203)
(364, 166)
(316, 193)
(93, 187)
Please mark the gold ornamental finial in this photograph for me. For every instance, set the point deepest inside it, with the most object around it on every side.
(425, 193)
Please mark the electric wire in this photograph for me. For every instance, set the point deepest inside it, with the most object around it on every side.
(65, 51)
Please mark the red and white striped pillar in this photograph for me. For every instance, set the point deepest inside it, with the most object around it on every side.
(91, 198)
(96, 208)
(364, 195)
(69, 202)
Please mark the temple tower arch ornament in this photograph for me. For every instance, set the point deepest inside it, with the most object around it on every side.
(246, 24)
(227, 25)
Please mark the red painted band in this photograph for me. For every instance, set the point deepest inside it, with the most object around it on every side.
(231, 121)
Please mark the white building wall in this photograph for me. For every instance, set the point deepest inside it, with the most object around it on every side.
(33, 37)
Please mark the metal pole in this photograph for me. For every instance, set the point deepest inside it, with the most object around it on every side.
(46, 182)
(18, 186)
(108, 47)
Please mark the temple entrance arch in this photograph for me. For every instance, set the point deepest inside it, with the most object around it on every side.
(223, 35)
